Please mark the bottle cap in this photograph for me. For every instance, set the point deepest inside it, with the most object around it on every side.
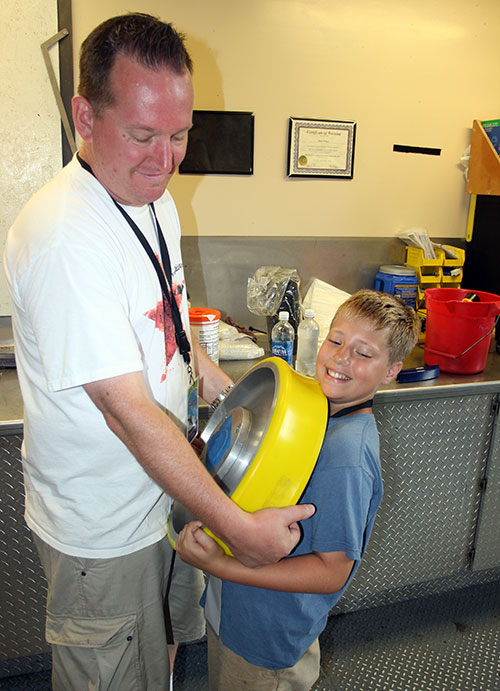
(283, 316)
(309, 313)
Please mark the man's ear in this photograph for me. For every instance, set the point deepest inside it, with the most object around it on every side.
(392, 372)
(83, 117)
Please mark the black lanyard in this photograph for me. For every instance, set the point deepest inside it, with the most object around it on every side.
(352, 408)
(164, 274)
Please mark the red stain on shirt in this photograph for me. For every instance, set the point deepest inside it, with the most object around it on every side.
(162, 317)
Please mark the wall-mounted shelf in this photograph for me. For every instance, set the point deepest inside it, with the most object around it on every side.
(484, 164)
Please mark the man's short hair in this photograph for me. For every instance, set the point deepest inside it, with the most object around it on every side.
(385, 312)
(145, 38)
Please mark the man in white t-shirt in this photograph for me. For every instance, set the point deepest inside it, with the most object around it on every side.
(105, 373)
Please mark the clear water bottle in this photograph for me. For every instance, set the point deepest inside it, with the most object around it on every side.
(307, 344)
(282, 337)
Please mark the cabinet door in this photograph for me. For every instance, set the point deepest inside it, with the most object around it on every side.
(481, 269)
(487, 547)
(23, 589)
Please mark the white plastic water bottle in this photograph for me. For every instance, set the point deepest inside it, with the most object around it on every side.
(307, 344)
(282, 337)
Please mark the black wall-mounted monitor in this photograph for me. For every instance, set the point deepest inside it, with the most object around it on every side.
(220, 141)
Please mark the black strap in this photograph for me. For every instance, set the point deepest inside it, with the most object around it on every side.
(353, 408)
(164, 273)
(166, 608)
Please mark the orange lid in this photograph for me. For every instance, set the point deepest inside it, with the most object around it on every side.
(203, 314)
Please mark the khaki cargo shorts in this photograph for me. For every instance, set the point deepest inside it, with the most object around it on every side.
(105, 617)
(228, 671)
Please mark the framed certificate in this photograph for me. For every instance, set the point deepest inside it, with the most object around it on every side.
(321, 148)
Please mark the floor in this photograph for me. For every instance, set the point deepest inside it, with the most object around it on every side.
(448, 642)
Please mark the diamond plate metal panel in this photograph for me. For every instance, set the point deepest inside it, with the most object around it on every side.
(487, 546)
(433, 455)
(22, 583)
(445, 643)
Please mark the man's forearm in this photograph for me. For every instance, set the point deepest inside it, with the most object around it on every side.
(212, 379)
(161, 448)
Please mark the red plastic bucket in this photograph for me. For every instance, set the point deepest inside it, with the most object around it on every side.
(458, 334)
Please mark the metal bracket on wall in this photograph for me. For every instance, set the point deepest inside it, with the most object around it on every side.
(45, 46)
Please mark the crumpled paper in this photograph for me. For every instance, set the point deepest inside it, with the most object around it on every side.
(418, 237)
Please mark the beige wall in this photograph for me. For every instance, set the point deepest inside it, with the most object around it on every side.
(407, 72)
(30, 145)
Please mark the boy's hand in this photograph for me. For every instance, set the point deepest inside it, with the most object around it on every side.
(197, 548)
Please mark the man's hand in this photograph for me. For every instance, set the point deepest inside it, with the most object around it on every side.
(269, 534)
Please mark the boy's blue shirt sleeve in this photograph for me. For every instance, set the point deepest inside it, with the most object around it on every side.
(343, 531)
(345, 487)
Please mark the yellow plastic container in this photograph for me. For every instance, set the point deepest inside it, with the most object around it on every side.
(442, 271)
(277, 449)
(451, 264)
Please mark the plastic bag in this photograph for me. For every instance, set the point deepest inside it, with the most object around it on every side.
(273, 290)
(266, 289)
(239, 349)
(464, 162)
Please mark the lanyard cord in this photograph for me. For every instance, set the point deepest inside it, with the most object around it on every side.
(164, 274)
(352, 408)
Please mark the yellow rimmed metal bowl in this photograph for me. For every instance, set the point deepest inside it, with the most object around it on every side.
(262, 443)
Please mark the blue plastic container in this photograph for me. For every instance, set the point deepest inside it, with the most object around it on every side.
(398, 280)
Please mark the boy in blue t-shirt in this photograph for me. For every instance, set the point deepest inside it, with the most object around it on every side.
(263, 624)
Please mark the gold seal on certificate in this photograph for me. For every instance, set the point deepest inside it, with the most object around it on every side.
(321, 148)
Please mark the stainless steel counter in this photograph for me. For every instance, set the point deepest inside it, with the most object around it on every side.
(445, 383)
(11, 404)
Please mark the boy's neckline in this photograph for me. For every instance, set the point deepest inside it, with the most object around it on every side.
(353, 408)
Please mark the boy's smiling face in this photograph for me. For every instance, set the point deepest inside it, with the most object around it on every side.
(353, 362)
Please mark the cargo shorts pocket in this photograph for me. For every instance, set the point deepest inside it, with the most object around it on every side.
(107, 648)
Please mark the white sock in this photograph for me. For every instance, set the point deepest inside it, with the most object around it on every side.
(171, 682)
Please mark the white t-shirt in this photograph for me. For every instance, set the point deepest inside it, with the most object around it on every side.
(87, 305)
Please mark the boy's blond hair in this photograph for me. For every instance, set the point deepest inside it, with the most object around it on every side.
(387, 312)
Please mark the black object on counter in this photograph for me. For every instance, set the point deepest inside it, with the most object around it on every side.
(418, 373)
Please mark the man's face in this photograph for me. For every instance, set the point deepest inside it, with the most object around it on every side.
(136, 144)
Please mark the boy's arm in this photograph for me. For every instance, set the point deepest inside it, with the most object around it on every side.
(318, 572)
